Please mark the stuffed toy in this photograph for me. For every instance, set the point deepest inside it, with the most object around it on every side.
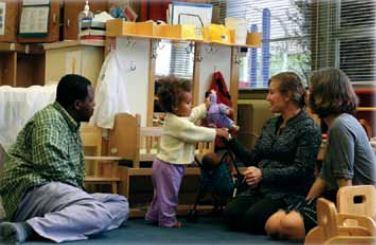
(218, 114)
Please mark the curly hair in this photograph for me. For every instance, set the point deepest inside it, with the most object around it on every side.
(331, 93)
(291, 85)
(71, 87)
(170, 91)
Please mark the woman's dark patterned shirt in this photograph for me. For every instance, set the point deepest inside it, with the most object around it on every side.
(286, 157)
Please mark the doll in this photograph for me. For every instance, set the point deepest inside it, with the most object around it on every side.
(218, 114)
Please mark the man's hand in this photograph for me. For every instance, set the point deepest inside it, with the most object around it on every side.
(252, 176)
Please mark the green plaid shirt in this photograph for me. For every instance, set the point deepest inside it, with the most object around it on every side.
(48, 149)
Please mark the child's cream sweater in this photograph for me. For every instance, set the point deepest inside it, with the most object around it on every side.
(180, 135)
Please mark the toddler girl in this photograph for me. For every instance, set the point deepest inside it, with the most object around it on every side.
(176, 147)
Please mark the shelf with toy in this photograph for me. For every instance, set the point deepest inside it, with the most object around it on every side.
(212, 34)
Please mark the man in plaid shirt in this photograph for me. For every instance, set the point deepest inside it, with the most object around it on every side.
(41, 182)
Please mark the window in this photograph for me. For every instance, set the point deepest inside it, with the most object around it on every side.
(177, 58)
(174, 58)
(289, 46)
(305, 35)
(345, 38)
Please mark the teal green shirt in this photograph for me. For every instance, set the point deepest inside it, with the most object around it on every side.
(47, 149)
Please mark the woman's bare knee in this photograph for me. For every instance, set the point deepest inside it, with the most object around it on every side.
(273, 224)
(292, 226)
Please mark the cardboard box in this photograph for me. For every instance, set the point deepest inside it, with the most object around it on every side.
(217, 33)
(254, 39)
(184, 32)
(117, 27)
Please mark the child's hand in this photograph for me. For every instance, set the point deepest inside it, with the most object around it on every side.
(222, 132)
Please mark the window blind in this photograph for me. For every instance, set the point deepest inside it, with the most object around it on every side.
(305, 35)
(174, 58)
(344, 37)
(289, 37)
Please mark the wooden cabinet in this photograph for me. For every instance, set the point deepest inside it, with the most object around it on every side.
(26, 65)
(54, 20)
(10, 19)
(78, 57)
(21, 65)
(71, 11)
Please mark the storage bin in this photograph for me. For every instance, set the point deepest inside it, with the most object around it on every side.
(117, 27)
(216, 33)
(238, 30)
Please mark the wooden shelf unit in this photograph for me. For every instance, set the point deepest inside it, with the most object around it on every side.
(23, 65)
(83, 57)
(232, 54)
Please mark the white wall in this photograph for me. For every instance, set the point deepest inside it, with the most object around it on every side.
(214, 57)
(136, 52)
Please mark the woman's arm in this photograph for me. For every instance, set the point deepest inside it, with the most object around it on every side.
(317, 189)
(344, 182)
(248, 157)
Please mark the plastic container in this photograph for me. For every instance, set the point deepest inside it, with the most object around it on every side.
(85, 18)
(238, 29)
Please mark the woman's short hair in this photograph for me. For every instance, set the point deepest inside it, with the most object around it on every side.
(170, 89)
(290, 84)
(331, 93)
(72, 87)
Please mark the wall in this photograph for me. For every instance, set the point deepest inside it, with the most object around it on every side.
(137, 55)
(214, 58)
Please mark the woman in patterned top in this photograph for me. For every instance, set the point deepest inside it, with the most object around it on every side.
(283, 160)
(349, 159)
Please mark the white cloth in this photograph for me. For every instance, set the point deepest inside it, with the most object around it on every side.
(180, 135)
(110, 95)
(18, 105)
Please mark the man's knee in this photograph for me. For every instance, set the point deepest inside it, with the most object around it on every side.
(100, 217)
(292, 226)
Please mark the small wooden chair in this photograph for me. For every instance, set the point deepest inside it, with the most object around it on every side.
(332, 226)
(99, 169)
(124, 138)
(358, 200)
(204, 147)
(149, 143)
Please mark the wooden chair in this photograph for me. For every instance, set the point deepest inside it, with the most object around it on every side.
(204, 147)
(124, 138)
(358, 200)
(332, 226)
(149, 143)
(99, 169)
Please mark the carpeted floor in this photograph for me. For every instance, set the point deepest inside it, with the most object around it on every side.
(207, 230)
